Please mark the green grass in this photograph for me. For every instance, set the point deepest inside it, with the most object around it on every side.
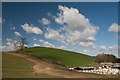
(17, 67)
(68, 58)
(14, 66)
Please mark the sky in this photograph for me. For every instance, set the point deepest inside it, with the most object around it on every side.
(88, 28)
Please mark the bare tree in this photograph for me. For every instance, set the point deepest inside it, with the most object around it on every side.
(22, 42)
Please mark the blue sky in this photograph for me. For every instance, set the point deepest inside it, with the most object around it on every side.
(89, 28)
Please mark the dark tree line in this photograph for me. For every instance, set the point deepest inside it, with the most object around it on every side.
(105, 58)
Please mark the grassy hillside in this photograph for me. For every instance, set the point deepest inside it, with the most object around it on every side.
(17, 67)
(68, 58)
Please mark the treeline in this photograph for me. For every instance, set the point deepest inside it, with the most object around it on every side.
(106, 58)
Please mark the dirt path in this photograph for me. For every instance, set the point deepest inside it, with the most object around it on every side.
(42, 67)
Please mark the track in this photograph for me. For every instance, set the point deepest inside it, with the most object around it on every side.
(42, 67)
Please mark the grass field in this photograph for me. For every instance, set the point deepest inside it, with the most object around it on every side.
(17, 67)
(68, 58)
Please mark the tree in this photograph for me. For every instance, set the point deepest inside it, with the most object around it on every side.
(22, 42)
(105, 58)
(99, 58)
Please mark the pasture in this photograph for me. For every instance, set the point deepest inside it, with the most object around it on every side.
(17, 67)
(67, 58)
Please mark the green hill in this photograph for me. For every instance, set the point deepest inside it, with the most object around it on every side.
(68, 58)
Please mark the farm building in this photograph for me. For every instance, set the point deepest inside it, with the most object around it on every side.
(85, 68)
(106, 63)
(116, 65)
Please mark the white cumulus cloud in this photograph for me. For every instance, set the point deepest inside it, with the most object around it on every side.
(9, 45)
(54, 35)
(109, 50)
(17, 34)
(46, 44)
(44, 21)
(114, 28)
(31, 29)
(61, 47)
(36, 45)
(77, 27)
(88, 44)
(103, 48)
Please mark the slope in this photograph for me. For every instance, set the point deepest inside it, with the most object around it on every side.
(67, 58)
(20, 66)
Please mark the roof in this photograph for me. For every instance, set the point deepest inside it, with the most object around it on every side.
(107, 63)
(116, 65)
(86, 67)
